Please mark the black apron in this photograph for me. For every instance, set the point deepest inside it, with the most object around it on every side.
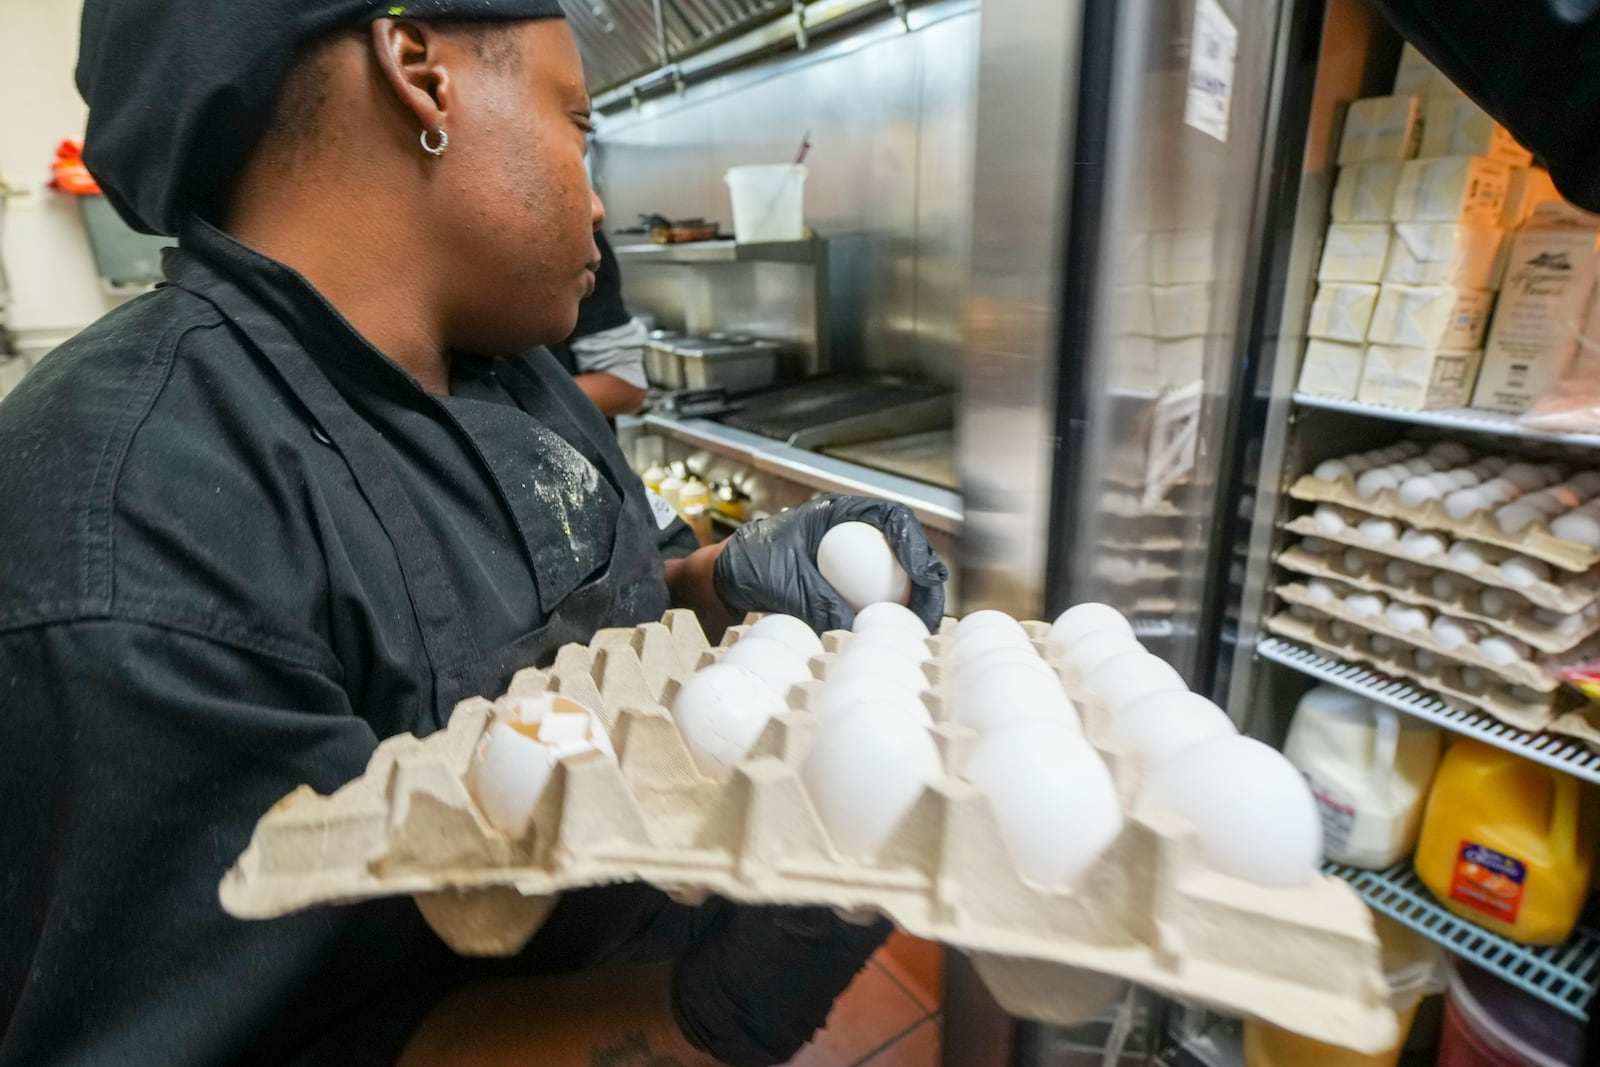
(460, 668)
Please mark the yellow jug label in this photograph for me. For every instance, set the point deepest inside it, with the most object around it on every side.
(1489, 881)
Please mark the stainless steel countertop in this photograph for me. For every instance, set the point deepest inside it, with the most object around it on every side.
(935, 508)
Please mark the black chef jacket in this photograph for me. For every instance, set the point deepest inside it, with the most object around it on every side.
(203, 603)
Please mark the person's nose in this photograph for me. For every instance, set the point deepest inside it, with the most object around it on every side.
(597, 209)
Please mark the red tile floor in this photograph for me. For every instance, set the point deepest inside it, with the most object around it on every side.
(889, 1017)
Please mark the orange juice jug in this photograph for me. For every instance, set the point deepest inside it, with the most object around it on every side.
(1508, 844)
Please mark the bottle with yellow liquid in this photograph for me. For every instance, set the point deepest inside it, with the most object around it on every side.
(1508, 844)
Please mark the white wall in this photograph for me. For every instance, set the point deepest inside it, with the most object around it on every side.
(55, 289)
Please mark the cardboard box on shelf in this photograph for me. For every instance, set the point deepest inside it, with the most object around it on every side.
(1527, 189)
(1443, 253)
(1430, 316)
(1183, 257)
(1455, 126)
(1526, 351)
(1342, 311)
(1354, 252)
(1469, 190)
(1332, 369)
(1417, 379)
(1416, 76)
(1182, 310)
(1365, 192)
(1380, 129)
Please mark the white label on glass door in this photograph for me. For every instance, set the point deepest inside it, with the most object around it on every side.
(1211, 62)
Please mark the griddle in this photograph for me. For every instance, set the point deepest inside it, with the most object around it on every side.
(845, 409)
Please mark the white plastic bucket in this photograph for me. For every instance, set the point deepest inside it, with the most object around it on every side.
(768, 202)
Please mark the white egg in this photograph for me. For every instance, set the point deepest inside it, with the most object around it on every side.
(1081, 620)
(1502, 651)
(1449, 633)
(518, 753)
(773, 662)
(1414, 492)
(974, 643)
(1522, 572)
(1464, 503)
(1320, 592)
(908, 676)
(1341, 632)
(1361, 462)
(1372, 482)
(1471, 680)
(1587, 483)
(1327, 519)
(1424, 661)
(1161, 724)
(1465, 479)
(997, 656)
(1398, 573)
(1419, 544)
(1365, 605)
(1331, 470)
(1445, 587)
(1466, 556)
(1524, 476)
(855, 558)
(1126, 677)
(1491, 465)
(1089, 653)
(1407, 619)
(838, 697)
(893, 643)
(1517, 517)
(1378, 531)
(1250, 808)
(721, 712)
(886, 616)
(1315, 545)
(795, 633)
(1054, 802)
(987, 619)
(864, 773)
(1494, 603)
(1578, 527)
(1353, 561)
(1383, 646)
(1005, 693)
(1418, 465)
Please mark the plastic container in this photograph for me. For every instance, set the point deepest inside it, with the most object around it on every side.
(1489, 1023)
(1508, 844)
(768, 202)
(1369, 768)
(1414, 969)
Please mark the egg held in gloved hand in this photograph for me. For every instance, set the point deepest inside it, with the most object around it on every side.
(771, 564)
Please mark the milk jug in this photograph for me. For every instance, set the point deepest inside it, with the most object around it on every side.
(1369, 768)
(1508, 843)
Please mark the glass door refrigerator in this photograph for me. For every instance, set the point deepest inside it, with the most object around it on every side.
(1154, 186)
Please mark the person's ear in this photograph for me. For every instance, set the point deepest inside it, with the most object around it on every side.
(414, 59)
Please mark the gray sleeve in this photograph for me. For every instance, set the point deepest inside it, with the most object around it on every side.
(618, 352)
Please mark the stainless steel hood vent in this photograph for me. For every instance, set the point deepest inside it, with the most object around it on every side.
(621, 40)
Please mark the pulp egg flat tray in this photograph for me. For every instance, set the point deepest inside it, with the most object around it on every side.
(1150, 911)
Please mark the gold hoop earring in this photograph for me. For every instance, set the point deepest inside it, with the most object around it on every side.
(444, 142)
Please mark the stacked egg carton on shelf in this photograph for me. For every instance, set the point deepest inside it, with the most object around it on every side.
(1428, 187)
(1473, 575)
(1049, 799)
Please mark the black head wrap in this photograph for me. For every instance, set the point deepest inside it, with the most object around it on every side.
(179, 91)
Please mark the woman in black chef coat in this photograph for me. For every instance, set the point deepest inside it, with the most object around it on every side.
(303, 497)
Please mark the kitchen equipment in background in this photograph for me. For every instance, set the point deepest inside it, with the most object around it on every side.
(664, 231)
(768, 202)
(924, 457)
(1413, 968)
(1508, 844)
(1488, 1023)
(844, 409)
(1369, 768)
(733, 364)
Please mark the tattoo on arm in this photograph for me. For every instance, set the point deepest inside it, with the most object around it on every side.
(632, 1051)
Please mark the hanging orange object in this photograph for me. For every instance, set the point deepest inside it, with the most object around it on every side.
(71, 176)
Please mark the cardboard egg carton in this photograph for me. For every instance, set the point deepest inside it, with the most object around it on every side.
(1524, 672)
(1151, 911)
(1520, 624)
(1499, 701)
(1572, 594)
(1580, 724)
(1534, 540)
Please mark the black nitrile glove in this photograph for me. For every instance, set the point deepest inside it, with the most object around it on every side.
(771, 564)
(759, 982)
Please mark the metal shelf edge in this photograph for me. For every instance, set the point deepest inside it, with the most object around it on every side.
(724, 251)
(1568, 756)
(1470, 420)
